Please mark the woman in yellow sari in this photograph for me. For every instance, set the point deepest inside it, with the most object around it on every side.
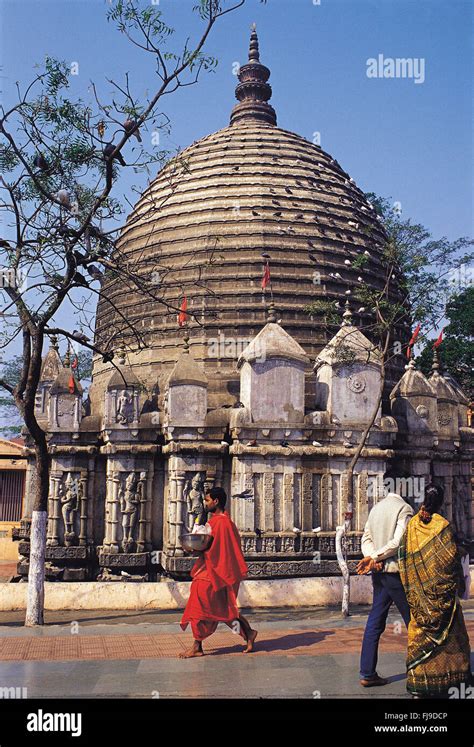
(431, 573)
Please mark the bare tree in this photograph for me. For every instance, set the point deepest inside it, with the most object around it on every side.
(61, 160)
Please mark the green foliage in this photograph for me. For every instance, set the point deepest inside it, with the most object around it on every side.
(328, 310)
(456, 351)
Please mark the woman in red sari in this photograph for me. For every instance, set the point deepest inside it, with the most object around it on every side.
(216, 578)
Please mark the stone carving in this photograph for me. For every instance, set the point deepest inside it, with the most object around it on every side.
(194, 491)
(287, 544)
(69, 496)
(356, 383)
(444, 418)
(461, 499)
(124, 413)
(129, 498)
(422, 411)
(249, 545)
(268, 544)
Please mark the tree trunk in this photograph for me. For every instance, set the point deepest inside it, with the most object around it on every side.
(35, 595)
(346, 589)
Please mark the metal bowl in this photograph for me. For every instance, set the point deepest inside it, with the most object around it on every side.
(195, 542)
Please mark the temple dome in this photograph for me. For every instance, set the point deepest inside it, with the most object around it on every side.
(203, 224)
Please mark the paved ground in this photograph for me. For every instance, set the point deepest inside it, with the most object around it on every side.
(306, 653)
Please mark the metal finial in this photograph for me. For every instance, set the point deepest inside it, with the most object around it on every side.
(347, 316)
(54, 343)
(254, 55)
(253, 91)
(67, 358)
(436, 364)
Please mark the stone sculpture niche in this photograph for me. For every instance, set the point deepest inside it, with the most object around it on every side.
(193, 494)
(67, 509)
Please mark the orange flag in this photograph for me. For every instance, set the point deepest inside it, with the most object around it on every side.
(72, 384)
(182, 316)
(413, 340)
(266, 276)
(439, 340)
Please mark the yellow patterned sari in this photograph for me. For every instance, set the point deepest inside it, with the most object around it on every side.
(438, 645)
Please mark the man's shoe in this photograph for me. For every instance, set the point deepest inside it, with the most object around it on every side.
(374, 681)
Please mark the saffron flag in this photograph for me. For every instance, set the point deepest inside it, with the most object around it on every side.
(439, 340)
(182, 316)
(413, 340)
(266, 276)
(72, 384)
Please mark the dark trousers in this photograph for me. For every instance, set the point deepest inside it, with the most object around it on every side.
(388, 588)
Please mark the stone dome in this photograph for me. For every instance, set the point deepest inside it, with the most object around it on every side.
(202, 226)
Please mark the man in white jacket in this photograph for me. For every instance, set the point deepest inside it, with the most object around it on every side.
(382, 534)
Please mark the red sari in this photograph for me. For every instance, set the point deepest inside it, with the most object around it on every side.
(216, 575)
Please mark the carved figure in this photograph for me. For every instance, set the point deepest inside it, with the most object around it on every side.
(194, 491)
(69, 497)
(124, 407)
(129, 497)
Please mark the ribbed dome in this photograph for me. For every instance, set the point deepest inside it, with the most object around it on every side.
(205, 221)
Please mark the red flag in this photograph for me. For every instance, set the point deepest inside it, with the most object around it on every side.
(413, 340)
(72, 384)
(182, 316)
(439, 340)
(266, 276)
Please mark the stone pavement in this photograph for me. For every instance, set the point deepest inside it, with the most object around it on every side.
(304, 654)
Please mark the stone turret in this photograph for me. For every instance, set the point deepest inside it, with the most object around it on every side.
(122, 397)
(414, 406)
(348, 376)
(272, 376)
(65, 401)
(448, 405)
(186, 401)
(50, 369)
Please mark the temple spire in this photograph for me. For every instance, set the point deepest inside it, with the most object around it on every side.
(253, 91)
(254, 55)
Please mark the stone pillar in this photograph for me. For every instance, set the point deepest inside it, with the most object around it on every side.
(267, 508)
(53, 509)
(112, 526)
(307, 501)
(180, 525)
(142, 515)
(83, 509)
(288, 515)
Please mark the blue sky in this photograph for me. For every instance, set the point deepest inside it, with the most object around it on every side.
(395, 137)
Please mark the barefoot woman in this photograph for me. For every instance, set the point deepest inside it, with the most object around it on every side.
(216, 577)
